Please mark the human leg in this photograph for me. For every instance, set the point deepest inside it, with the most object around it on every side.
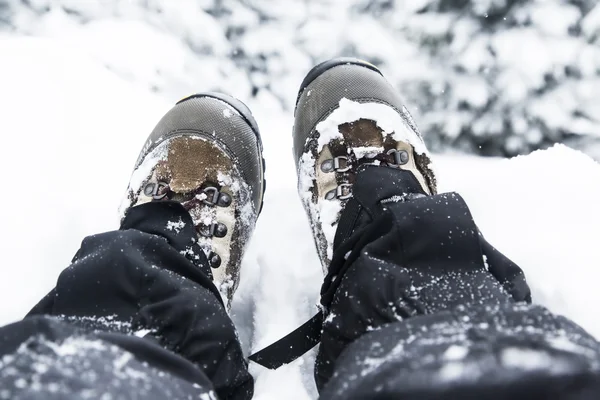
(168, 274)
(415, 301)
(418, 314)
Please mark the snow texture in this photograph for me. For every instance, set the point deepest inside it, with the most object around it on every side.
(495, 77)
(386, 118)
(75, 118)
(175, 226)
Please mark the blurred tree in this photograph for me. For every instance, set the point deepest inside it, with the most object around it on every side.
(5, 12)
(493, 77)
(505, 76)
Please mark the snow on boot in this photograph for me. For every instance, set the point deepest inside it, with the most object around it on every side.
(206, 153)
(355, 146)
(347, 115)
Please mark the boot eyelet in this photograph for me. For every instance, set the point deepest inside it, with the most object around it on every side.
(212, 195)
(401, 157)
(344, 191)
(149, 189)
(327, 166)
(204, 231)
(220, 230)
(215, 230)
(214, 259)
(330, 195)
(215, 197)
(158, 191)
(224, 200)
(337, 164)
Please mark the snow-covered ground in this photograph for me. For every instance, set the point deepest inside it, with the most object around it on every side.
(72, 129)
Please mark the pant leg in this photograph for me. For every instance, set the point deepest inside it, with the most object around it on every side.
(493, 353)
(151, 279)
(426, 309)
(42, 358)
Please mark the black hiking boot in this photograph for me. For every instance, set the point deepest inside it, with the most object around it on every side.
(349, 117)
(206, 153)
(391, 248)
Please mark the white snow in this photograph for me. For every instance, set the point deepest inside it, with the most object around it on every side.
(144, 170)
(456, 353)
(390, 122)
(367, 152)
(176, 226)
(142, 332)
(72, 130)
(108, 322)
(453, 371)
(329, 211)
(528, 359)
(224, 179)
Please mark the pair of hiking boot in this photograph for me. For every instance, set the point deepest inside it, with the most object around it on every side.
(206, 153)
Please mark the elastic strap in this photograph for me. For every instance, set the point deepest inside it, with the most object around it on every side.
(292, 346)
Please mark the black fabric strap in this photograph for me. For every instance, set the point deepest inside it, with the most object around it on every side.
(292, 346)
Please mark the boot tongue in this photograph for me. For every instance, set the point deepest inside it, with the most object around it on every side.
(373, 185)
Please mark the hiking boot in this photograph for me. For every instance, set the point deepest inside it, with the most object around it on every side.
(349, 118)
(206, 153)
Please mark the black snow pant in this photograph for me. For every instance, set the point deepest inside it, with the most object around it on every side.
(419, 307)
(136, 316)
